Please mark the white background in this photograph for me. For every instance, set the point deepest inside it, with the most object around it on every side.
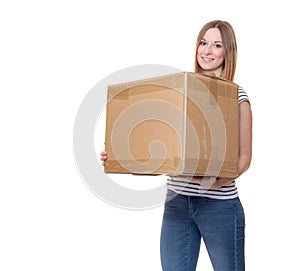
(53, 52)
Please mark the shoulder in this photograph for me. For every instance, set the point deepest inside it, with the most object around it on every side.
(243, 96)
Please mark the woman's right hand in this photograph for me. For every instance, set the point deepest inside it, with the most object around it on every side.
(103, 156)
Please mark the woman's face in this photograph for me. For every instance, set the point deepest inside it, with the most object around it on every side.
(210, 53)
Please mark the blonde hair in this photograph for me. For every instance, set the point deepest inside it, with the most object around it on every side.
(230, 47)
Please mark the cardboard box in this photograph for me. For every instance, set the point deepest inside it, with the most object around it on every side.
(179, 124)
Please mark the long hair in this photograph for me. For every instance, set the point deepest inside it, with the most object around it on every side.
(230, 47)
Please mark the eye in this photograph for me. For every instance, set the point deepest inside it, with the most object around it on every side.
(202, 43)
(218, 45)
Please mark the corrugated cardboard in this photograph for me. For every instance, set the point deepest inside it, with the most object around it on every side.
(179, 124)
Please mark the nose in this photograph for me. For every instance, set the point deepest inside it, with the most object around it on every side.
(208, 49)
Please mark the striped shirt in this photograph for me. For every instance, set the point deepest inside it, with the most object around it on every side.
(184, 186)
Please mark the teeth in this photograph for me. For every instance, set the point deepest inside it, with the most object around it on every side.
(207, 59)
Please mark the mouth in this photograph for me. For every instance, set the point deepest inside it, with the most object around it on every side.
(207, 59)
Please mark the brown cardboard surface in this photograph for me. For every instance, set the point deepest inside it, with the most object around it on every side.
(179, 124)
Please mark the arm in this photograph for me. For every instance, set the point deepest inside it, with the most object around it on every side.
(245, 144)
(245, 149)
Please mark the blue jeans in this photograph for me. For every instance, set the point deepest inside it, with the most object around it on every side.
(188, 219)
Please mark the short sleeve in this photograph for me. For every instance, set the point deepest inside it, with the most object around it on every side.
(243, 96)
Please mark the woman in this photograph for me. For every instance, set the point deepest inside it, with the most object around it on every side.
(209, 209)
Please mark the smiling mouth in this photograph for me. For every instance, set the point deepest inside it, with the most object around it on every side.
(206, 59)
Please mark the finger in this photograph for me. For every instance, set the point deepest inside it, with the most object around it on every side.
(208, 181)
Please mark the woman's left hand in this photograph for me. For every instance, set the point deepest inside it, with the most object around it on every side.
(212, 182)
(208, 182)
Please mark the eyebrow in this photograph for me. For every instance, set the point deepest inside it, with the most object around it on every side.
(217, 41)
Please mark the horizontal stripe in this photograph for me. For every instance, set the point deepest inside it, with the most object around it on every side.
(199, 188)
(203, 192)
(242, 95)
(211, 196)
